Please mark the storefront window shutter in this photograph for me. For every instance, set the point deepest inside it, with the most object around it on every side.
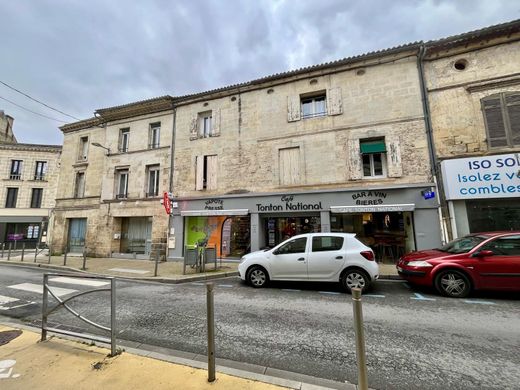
(193, 129)
(354, 160)
(513, 112)
(215, 129)
(334, 101)
(293, 108)
(394, 163)
(497, 136)
(289, 165)
(199, 173)
(212, 172)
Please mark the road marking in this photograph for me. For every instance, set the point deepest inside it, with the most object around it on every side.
(129, 271)
(290, 289)
(225, 285)
(198, 283)
(81, 282)
(419, 297)
(480, 302)
(17, 306)
(4, 299)
(329, 292)
(38, 288)
(373, 295)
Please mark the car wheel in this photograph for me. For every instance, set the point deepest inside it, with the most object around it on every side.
(257, 277)
(355, 278)
(453, 284)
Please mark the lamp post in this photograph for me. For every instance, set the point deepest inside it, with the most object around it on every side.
(101, 146)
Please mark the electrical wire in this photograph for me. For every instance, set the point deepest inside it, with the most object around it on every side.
(37, 101)
(34, 112)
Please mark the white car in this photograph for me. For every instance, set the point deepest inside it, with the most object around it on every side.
(320, 257)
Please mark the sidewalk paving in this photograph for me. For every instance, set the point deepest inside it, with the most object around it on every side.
(168, 271)
(27, 363)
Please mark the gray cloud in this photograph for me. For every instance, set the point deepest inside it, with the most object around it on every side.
(79, 56)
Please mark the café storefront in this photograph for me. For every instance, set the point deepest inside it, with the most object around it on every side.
(392, 221)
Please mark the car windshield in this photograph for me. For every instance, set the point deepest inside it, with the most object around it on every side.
(463, 244)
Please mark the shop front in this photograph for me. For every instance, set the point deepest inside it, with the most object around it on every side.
(392, 221)
(483, 193)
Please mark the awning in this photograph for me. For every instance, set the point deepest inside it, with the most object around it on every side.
(373, 209)
(200, 213)
(369, 147)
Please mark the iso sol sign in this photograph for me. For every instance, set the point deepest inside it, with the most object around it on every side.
(482, 177)
(167, 202)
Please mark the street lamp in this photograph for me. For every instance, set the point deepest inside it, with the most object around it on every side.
(101, 146)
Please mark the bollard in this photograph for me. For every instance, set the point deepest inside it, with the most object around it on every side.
(50, 251)
(113, 350)
(44, 306)
(9, 252)
(360, 339)
(3, 248)
(156, 263)
(23, 250)
(35, 253)
(84, 259)
(65, 257)
(211, 332)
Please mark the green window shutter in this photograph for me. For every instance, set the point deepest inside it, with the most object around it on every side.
(369, 147)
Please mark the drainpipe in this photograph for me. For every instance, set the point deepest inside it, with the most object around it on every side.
(170, 184)
(429, 135)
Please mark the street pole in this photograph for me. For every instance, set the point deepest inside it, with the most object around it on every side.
(211, 332)
(9, 252)
(113, 330)
(65, 255)
(3, 248)
(84, 259)
(23, 250)
(50, 251)
(360, 339)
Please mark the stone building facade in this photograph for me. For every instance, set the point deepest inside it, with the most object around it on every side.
(334, 147)
(29, 178)
(473, 87)
(6, 128)
(115, 168)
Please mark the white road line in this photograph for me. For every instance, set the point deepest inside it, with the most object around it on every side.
(129, 271)
(4, 299)
(290, 289)
(17, 306)
(38, 288)
(329, 292)
(373, 295)
(81, 282)
(419, 297)
(225, 285)
(198, 283)
(480, 302)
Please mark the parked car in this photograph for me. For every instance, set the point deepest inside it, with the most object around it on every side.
(480, 261)
(320, 257)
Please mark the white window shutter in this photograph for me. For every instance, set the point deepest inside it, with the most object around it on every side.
(199, 173)
(212, 173)
(194, 129)
(354, 159)
(293, 108)
(334, 101)
(393, 155)
(215, 126)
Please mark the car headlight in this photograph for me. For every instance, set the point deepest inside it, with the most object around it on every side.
(420, 263)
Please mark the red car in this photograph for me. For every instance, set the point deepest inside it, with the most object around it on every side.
(481, 261)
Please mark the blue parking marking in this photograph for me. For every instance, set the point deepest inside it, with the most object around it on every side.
(479, 302)
(373, 295)
(420, 297)
(329, 292)
(225, 285)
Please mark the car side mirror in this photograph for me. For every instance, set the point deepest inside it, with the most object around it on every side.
(276, 252)
(485, 253)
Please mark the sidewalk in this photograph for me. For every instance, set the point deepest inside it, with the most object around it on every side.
(168, 272)
(26, 363)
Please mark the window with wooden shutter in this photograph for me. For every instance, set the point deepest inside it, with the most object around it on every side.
(199, 173)
(502, 118)
(206, 173)
(289, 164)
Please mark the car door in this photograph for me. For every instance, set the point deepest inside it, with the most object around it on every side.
(289, 261)
(326, 257)
(502, 269)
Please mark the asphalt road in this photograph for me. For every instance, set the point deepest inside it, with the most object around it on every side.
(415, 339)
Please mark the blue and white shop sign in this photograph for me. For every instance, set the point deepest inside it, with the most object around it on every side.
(482, 177)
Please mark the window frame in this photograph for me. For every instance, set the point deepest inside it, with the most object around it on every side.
(77, 187)
(36, 203)
(124, 140)
(205, 124)
(155, 169)
(83, 148)
(16, 170)
(10, 201)
(487, 246)
(154, 136)
(313, 99)
(506, 120)
(122, 174)
(321, 249)
(279, 251)
(40, 173)
(383, 156)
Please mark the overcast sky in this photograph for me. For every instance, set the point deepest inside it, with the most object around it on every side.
(79, 56)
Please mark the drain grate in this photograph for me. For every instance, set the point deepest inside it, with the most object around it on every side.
(9, 335)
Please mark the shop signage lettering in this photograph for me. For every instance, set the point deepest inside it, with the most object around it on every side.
(289, 205)
(377, 198)
(214, 204)
(482, 177)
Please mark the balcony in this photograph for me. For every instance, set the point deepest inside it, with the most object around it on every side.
(122, 196)
(154, 145)
(15, 176)
(152, 194)
(39, 177)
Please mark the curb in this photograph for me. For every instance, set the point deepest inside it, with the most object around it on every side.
(242, 370)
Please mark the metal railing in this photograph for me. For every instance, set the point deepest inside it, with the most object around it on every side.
(46, 311)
